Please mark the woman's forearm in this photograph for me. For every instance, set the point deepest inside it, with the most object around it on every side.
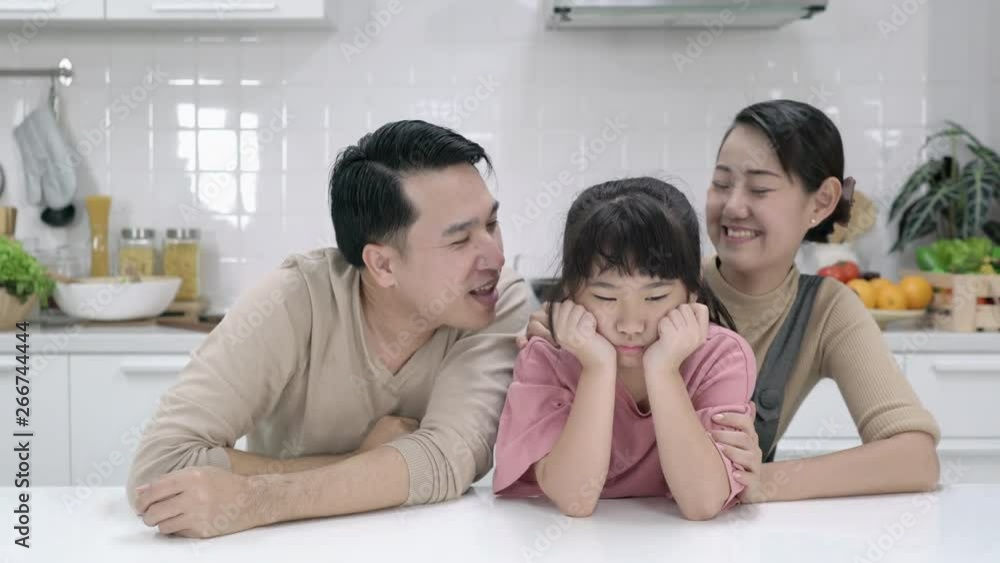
(572, 475)
(904, 463)
(692, 465)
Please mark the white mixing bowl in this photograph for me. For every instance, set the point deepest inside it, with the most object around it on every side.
(116, 299)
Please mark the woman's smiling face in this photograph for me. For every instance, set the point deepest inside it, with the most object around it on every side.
(756, 214)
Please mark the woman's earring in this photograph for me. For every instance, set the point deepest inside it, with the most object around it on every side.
(812, 221)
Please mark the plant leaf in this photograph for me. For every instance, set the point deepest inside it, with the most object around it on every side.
(921, 217)
(978, 197)
(909, 231)
(922, 176)
(991, 160)
(955, 130)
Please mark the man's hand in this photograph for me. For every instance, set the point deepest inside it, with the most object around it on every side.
(204, 502)
(387, 429)
(538, 325)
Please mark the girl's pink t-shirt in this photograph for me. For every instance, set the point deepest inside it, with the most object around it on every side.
(720, 377)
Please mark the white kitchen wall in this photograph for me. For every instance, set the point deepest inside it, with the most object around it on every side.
(237, 131)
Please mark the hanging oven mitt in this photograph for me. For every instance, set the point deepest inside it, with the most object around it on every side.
(49, 174)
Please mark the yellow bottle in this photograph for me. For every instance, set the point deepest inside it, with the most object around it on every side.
(136, 254)
(98, 210)
(180, 258)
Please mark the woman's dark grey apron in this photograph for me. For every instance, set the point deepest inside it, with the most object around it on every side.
(769, 395)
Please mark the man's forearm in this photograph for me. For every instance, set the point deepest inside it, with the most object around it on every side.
(904, 463)
(376, 479)
(691, 464)
(243, 463)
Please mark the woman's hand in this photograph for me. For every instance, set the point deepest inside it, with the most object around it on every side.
(742, 447)
(538, 325)
(576, 331)
(682, 331)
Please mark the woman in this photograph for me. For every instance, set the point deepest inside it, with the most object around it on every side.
(779, 180)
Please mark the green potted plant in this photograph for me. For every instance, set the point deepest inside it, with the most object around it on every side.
(22, 281)
(948, 199)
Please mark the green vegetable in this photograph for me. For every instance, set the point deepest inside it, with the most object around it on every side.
(959, 256)
(928, 261)
(996, 253)
(21, 275)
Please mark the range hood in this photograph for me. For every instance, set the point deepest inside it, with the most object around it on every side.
(570, 14)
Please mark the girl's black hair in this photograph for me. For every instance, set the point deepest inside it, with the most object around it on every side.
(635, 226)
(808, 146)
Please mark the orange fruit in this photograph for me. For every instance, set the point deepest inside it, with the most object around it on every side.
(878, 284)
(892, 298)
(918, 291)
(865, 292)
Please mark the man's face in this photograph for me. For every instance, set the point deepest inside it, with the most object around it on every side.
(454, 252)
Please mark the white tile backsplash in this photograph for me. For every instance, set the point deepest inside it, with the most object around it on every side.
(239, 137)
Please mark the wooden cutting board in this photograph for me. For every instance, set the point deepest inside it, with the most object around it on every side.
(202, 324)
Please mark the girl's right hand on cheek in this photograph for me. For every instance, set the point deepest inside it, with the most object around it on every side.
(576, 331)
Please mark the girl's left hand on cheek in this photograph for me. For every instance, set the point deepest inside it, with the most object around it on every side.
(681, 332)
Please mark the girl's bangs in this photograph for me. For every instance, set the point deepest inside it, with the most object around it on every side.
(631, 238)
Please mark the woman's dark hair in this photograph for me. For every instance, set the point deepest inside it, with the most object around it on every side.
(635, 226)
(808, 146)
(367, 202)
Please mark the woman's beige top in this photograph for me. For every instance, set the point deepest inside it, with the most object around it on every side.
(842, 342)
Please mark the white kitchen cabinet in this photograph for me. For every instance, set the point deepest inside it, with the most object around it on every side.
(39, 11)
(961, 391)
(112, 399)
(216, 10)
(48, 418)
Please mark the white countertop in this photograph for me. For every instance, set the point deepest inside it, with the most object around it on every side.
(89, 339)
(951, 525)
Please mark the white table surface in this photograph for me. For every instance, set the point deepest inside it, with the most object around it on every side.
(956, 524)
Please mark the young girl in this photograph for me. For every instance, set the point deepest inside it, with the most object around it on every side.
(623, 405)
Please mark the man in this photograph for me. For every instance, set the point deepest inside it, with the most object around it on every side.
(331, 360)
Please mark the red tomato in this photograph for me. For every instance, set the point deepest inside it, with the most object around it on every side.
(849, 270)
(841, 271)
(826, 272)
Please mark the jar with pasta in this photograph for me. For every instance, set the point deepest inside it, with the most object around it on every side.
(180, 258)
(136, 253)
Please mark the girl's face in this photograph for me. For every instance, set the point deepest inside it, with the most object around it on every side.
(629, 308)
(756, 215)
